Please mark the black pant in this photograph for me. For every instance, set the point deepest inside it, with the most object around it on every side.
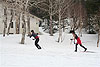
(80, 45)
(36, 43)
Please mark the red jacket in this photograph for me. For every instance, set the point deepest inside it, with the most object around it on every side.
(78, 41)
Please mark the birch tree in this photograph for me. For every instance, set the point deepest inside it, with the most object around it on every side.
(24, 29)
(12, 15)
(60, 31)
(28, 24)
(63, 7)
(17, 22)
(97, 27)
(25, 5)
(77, 12)
(24, 24)
(5, 20)
(98, 21)
(18, 12)
(82, 16)
(98, 41)
(28, 19)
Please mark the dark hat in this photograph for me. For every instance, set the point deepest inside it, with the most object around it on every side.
(32, 30)
(72, 31)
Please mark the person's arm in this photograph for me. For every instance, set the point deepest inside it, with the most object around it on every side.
(31, 36)
(74, 38)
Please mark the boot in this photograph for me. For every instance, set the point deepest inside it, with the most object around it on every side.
(85, 49)
(75, 50)
(39, 47)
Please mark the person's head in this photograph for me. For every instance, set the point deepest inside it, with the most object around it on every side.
(32, 31)
(72, 31)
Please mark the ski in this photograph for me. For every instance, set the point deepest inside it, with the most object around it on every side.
(88, 51)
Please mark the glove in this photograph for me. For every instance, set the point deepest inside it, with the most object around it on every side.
(71, 39)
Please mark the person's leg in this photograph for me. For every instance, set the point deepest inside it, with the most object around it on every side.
(83, 47)
(76, 47)
(36, 43)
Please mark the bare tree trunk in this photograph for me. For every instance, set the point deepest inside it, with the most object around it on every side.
(25, 5)
(10, 21)
(17, 23)
(64, 25)
(81, 22)
(51, 29)
(60, 31)
(98, 38)
(80, 29)
(5, 21)
(28, 20)
(24, 29)
(28, 24)
(8, 28)
(51, 20)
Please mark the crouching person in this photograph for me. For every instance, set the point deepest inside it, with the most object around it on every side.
(35, 35)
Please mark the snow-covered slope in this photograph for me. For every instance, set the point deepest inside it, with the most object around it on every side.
(52, 54)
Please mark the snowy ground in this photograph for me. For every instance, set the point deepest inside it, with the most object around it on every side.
(52, 54)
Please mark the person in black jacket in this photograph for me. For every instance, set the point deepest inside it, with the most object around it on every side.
(35, 35)
(78, 41)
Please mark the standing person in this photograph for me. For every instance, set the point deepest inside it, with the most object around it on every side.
(36, 38)
(78, 41)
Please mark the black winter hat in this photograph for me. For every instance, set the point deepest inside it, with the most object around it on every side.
(72, 31)
(32, 30)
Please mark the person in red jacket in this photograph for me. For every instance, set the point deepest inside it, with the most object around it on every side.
(78, 41)
(36, 38)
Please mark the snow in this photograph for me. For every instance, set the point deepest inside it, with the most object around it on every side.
(52, 54)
